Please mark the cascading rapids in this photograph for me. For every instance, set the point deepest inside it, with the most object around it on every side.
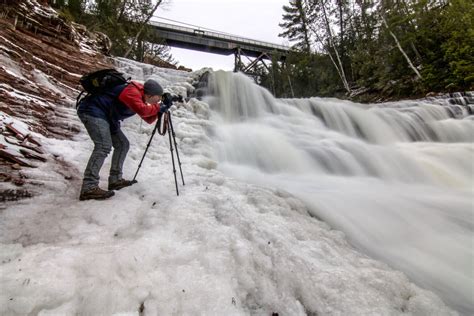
(396, 177)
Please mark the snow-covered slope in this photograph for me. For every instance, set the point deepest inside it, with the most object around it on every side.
(223, 247)
(279, 213)
(397, 178)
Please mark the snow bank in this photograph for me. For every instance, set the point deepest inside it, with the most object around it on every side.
(223, 247)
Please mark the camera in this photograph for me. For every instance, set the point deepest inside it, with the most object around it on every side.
(178, 98)
(168, 99)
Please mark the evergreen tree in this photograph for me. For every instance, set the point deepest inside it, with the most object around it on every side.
(295, 25)
(394, 48)
(124, 21)
(446, 35)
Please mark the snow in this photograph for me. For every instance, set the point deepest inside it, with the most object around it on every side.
(41, 80)
(5, 40)
(44, 80)
(19, 125)
(405, 202)
(9, 66)
(236, 241)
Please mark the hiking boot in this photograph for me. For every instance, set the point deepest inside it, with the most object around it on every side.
(96, 194)
(120, 184)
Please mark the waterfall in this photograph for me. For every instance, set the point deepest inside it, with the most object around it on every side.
(396, 178)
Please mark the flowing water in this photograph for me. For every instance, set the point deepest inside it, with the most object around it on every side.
(396, 178)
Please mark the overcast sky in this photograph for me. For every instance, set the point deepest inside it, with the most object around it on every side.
(255, 19)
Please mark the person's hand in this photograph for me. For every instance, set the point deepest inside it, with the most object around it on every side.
(167, 99)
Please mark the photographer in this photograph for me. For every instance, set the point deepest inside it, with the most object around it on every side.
(101, 115)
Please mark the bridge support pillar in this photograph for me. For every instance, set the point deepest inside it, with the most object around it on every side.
(237, 60)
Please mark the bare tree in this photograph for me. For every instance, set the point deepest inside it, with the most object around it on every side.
(321, 41)
(400, 47)
(339, 66)
(142, 27)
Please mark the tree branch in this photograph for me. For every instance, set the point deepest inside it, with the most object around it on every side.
(400, 48)
(142, 27)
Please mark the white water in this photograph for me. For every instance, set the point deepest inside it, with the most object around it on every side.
(396, 178)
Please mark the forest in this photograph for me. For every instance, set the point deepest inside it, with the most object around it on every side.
(361, 49)
(125, 22)
(381, 49)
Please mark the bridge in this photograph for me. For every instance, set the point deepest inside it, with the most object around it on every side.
(220, 43)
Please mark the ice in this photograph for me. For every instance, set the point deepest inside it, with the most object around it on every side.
(365, 172)
(225, 246)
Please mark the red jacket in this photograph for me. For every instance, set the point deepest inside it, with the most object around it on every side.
(133, 96)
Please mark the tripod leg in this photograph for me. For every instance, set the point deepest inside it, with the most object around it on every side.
(176, 147)
(172, 158)
(147, 146)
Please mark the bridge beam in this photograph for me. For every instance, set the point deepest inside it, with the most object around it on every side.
(252, 68)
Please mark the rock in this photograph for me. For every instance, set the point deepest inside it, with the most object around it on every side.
(49, 55)
(5, 177)
(18, 182)
(10, 155)
(14, 195)
(432, 94)
(32, 155)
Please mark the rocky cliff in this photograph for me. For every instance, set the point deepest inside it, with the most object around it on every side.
(42, 56)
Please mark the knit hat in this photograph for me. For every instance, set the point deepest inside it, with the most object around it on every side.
(152, 87)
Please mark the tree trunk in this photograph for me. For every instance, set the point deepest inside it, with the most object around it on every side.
(330, 57)
(142, 27)
(400, 48)
(331, 42)
(413, 30)
(304, 22)
(122, 10)
(341, 25)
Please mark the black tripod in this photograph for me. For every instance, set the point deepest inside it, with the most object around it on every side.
(167, 126)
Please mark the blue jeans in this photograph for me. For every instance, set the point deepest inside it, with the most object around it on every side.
(99, 131)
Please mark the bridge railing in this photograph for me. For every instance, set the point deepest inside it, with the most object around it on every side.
(200, 32)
